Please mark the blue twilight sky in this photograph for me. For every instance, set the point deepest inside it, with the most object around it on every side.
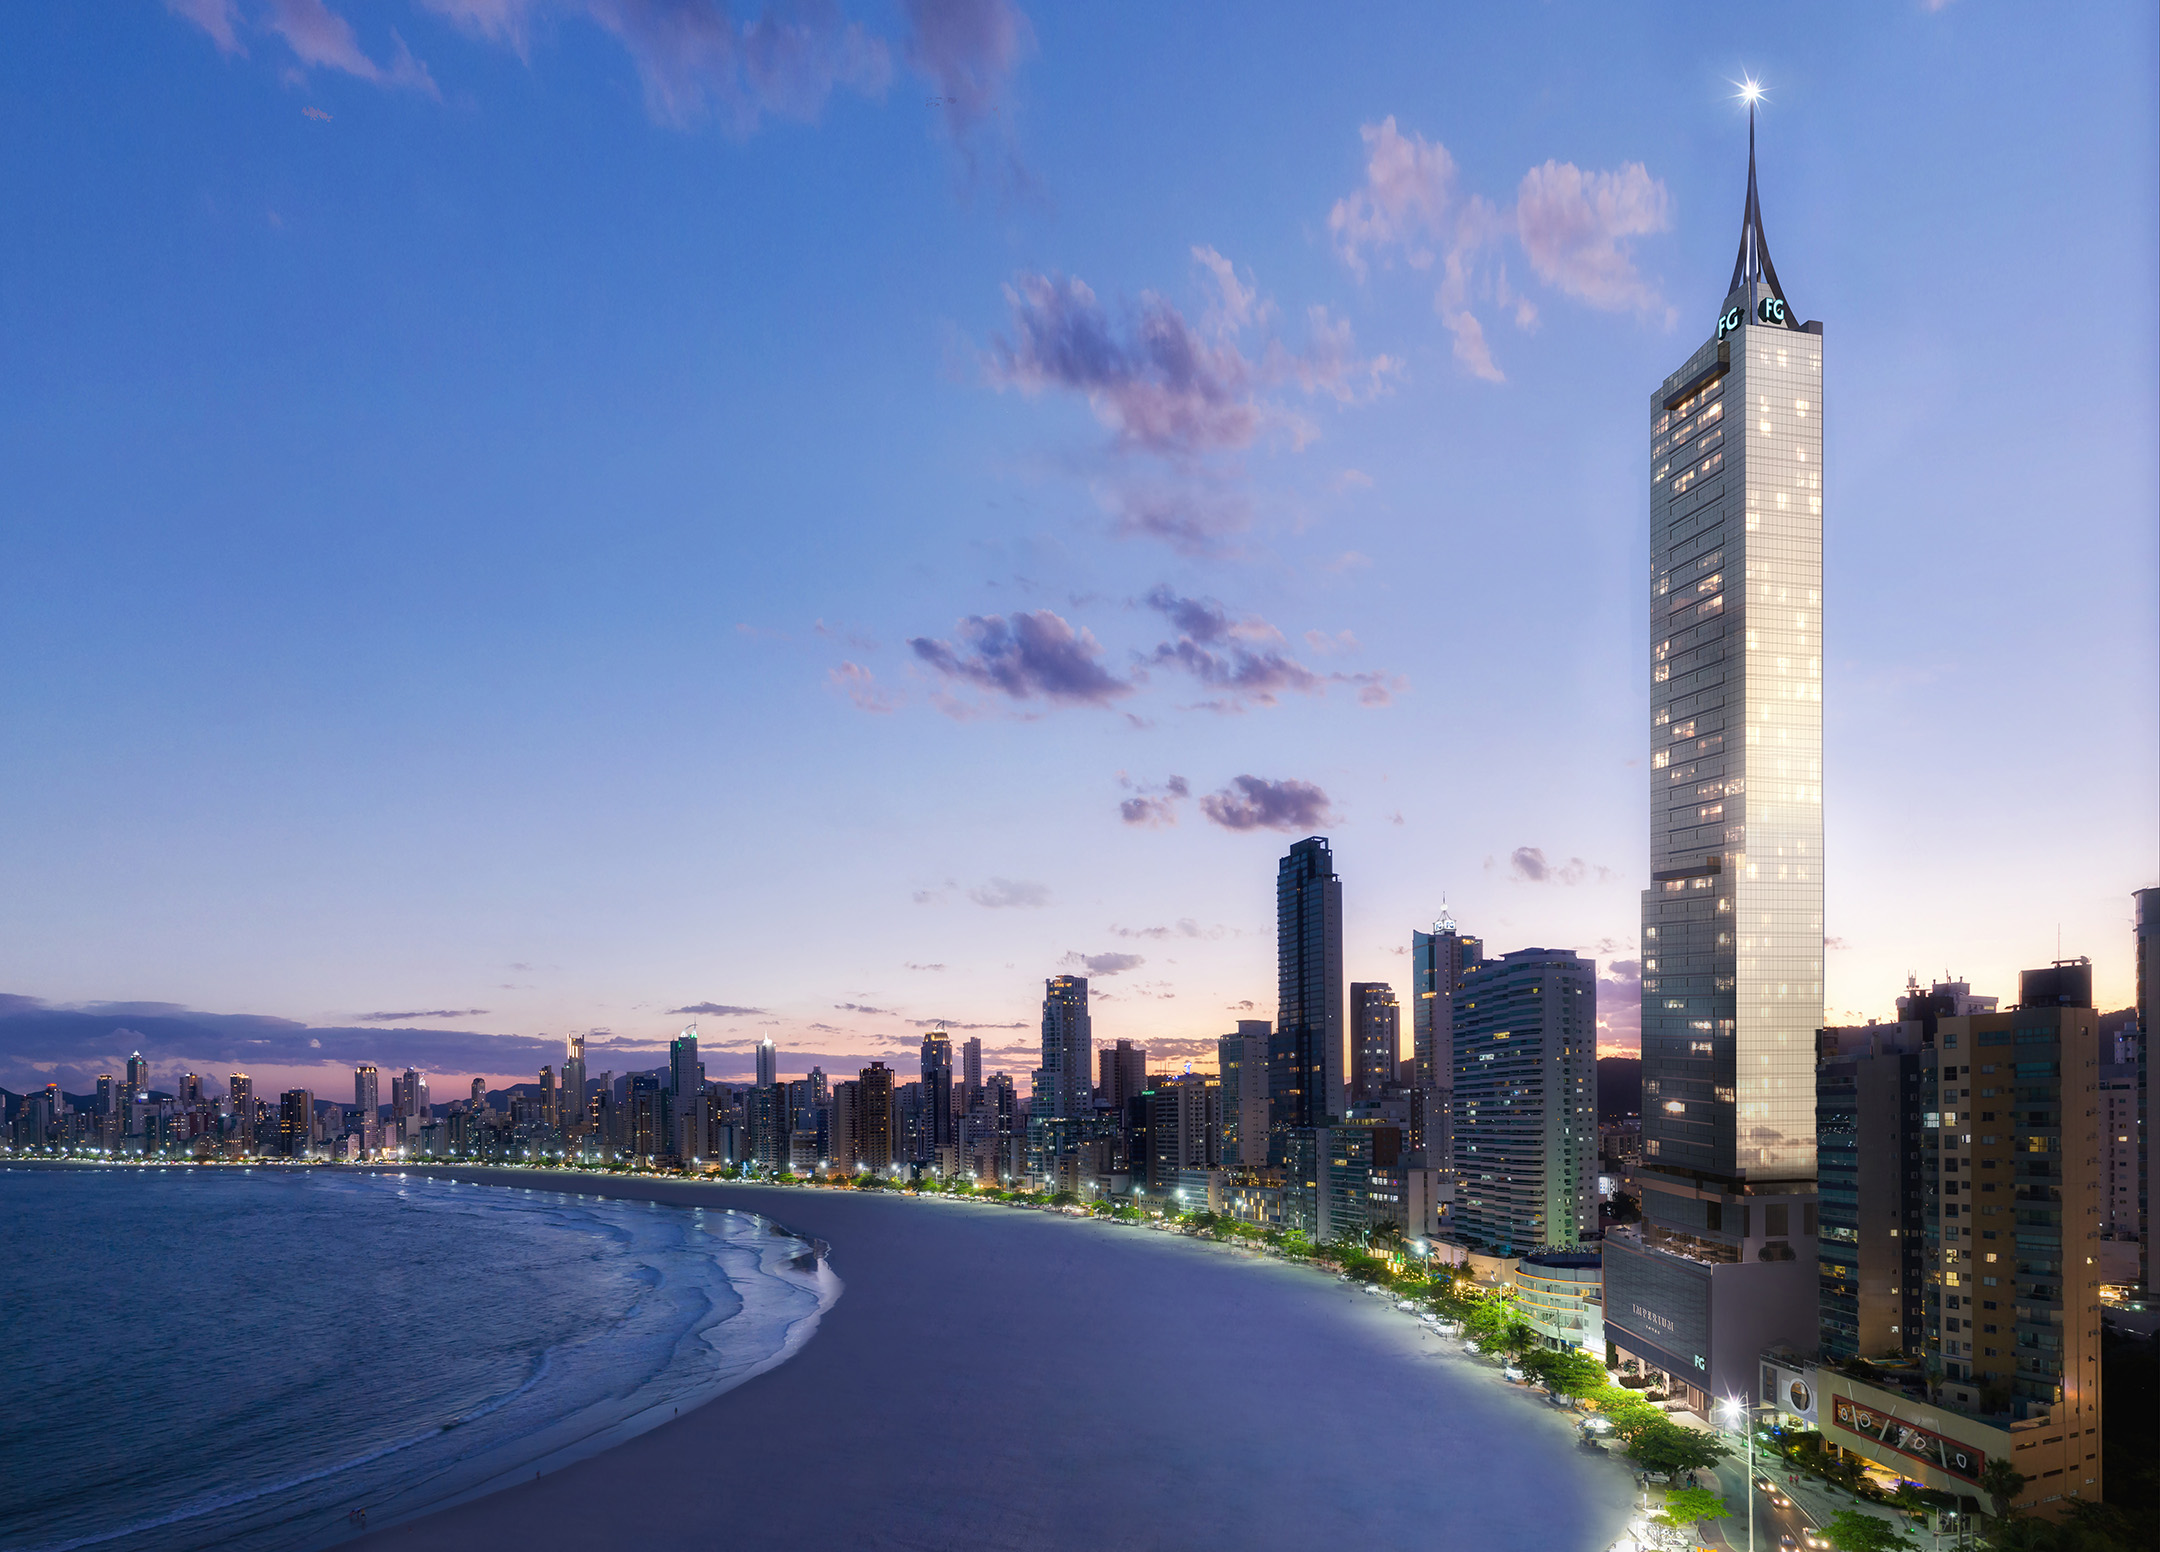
(521, 516)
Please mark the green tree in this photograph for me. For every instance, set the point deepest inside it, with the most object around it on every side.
(1687, 1507)
(1577, 1375)
(1498, 1326)
(1665, 1447)
(2002, 1482)
(1851, 1531)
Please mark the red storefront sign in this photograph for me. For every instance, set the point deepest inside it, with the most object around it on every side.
(1945, 1455)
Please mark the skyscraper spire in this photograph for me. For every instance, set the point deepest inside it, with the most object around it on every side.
(1753, 262)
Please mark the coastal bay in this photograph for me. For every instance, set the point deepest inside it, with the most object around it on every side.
(999, 1378)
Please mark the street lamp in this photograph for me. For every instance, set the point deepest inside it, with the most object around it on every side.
(1739, 1413)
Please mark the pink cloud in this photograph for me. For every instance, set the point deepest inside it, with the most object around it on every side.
(219, 18)
(317, 35)
(1574, 226)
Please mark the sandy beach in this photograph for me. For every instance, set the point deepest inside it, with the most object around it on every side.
(994, 1378)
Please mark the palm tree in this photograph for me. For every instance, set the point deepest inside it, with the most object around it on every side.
(1384, 1237)
(2002, 1482)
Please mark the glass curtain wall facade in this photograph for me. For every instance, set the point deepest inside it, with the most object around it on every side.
(1064, 1097)
(1732, 921)
(1305, 1054)
(1375, 1040)
(1437, 961)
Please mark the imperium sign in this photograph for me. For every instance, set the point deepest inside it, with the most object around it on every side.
(1946, 1455)
(1662, 1322)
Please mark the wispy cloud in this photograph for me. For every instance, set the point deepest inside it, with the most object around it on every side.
(219, 18)
(716, 1010)
(410, 1014)
(697, 61)
(1103, 964)
(1025, 657)
(1185, 927)
(1251, 803)
(1575, 228)
(1010, 893)
(1181, 400)
(1244, 659)
(1152, 805)
(857, 1007)
(316, 36)
(969, 51)
(1529, 865)
(860, 685)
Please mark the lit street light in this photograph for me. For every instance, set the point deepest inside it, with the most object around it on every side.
(1739, 1413)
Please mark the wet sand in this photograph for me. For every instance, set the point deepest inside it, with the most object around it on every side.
(994, 1378)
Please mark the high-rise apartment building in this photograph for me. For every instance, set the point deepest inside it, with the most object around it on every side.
(874, 1117)
(549, 1111)
(1241, 1062)
(1961, 1198)
(768, 1062)
(296, 1122)
(1524, 1032)
(686, 1097)
(644, 1116)
(1305, 1052)
(2145, 941)
(2121, 1138)
(971, 1062)
(571, 1102)
(367, 1099)
(843, 1145)
(937, 1083)
(1375, 1039)
(1064, 1093)
(1732, 923)
(138, 1077)
(240, 1097)
(1124, 1074)
(409, 1104)
(1437, 961)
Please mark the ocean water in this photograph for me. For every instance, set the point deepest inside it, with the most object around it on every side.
(241, 1358)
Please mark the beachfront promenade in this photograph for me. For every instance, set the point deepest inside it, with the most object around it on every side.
(996, 1379)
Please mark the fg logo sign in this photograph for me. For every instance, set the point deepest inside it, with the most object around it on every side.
(1729, 321)
(1771, 309)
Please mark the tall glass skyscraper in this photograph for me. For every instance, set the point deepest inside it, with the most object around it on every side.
(937, 1128)
(1437, 961)
(1064, 1099)
(1305, 1054)
(1732, 925)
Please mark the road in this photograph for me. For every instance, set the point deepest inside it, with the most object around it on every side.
(1770, 1521)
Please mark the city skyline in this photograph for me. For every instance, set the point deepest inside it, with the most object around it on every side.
(1162, 906)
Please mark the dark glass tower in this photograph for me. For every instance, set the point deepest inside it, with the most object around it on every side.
(937, 1129)
(1305, 1054)
(1437, 961)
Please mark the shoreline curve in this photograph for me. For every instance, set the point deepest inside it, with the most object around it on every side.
(1011, 1379)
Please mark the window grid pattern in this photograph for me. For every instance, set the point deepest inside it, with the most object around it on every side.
(1732, 922)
